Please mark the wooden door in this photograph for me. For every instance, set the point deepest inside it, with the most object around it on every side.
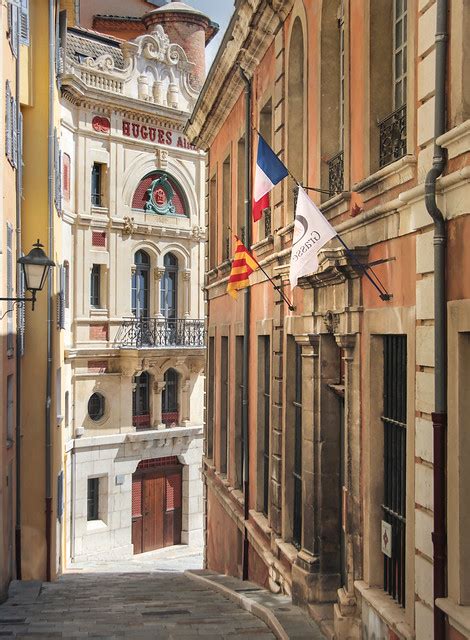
(156, 508)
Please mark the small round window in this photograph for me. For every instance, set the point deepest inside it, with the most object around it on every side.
(96, 406)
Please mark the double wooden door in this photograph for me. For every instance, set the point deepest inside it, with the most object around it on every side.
(156, 506)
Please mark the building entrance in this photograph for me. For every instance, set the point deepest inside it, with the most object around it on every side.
(156, 504)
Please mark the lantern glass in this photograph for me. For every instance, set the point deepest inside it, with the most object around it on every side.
(35, 276)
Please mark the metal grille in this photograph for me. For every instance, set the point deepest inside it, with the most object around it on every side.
(336, 173)
(173, 492)
(170, 418)
(167, 461)
(98, 238)
(297, 471)
(267, 222)
(161, 332)
(136, 497)
(266, 399)
(394, 421)
(393, 136)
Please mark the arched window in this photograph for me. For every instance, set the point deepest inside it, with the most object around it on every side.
(169, 287)
(170, 398)
(140, 285)
(159, 193)
(141, 401)
(296, 115)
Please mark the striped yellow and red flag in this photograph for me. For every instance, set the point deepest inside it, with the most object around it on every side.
(243, 264)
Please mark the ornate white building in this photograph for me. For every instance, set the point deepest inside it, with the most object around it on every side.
(132, 303)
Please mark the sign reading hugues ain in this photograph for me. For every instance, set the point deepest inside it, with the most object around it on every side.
(155, 134)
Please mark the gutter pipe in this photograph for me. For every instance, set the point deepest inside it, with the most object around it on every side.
(439, 417)
(48, 442)
(19, 182)
(246, 326)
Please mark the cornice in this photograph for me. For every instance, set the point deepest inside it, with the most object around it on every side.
(250, 33)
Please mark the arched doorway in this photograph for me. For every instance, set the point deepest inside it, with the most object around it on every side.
(140, 285)
(156, 504)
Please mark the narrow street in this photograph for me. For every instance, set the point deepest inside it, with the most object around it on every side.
(146, 597)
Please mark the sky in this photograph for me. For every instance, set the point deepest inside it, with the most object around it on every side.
(219, 11)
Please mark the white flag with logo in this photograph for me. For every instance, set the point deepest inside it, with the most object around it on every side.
(311, 231)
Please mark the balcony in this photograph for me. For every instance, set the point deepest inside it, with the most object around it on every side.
(393, 137)
(161, 333)
(141, 421)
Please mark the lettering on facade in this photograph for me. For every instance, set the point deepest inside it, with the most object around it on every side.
(155, 134)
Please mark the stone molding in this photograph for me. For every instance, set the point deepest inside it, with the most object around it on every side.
(244, 48)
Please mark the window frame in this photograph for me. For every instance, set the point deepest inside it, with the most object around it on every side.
(95, 286)
(93, 499)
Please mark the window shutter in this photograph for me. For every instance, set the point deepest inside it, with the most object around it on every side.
(13, 28)
(24, 22)
(20, 153)
(9, 287)
(8, 124)
(61, 299)
(14, 133)
(57, 174)
(21, 313)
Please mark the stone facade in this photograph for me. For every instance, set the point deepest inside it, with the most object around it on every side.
(132, 299)
(347, 117)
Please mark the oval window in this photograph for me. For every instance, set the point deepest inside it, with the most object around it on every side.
(96, 406)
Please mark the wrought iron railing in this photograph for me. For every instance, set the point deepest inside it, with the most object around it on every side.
(267, 222)
(336, 173)
(393, 136)
(161, 332)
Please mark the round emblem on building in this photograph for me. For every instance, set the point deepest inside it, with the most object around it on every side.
(101, 124)
(160, 197)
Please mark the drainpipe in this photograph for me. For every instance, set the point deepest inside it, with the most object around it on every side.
(19, 181)
(439, 417)
(246, 325)
(48, 442)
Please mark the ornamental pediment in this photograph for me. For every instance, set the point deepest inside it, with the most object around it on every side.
(150, 68)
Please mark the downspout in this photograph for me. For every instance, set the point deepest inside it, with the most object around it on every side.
(19, 182)
(48, 443)
(439, 417)
(246, 326)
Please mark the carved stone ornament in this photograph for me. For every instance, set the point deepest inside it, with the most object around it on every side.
(197, 232)
(162, 159)
(129, 226)
(160, 197)
(331, 321)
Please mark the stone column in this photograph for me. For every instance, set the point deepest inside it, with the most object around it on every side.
(158, 387)
(346, 607)
(187, 292)
(158, 275)
(185, 418)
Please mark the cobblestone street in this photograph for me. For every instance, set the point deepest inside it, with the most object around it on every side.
(147, 597)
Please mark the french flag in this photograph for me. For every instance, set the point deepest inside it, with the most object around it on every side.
(269, 171)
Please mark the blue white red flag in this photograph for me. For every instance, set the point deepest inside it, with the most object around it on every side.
(269, 171)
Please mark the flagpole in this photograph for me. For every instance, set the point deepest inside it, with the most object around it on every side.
(383, 293)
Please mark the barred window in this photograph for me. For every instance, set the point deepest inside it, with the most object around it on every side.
(224, 406)
(93, 499)
(297, 468)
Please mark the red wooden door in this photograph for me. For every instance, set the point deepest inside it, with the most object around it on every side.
(153, 496)
(156, 506)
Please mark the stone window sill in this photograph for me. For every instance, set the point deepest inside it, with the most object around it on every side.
(263, 246)
(384, 179)
(392, 614)
(459, 616)
(287, 549)
(96, 525)
(94, 311)
(99, 210)
(261, 521)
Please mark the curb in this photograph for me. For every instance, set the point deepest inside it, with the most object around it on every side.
(258, 610)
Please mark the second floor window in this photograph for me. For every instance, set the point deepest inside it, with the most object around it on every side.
(95, 286)
(140, 401)
(96, 184)
(399, 52)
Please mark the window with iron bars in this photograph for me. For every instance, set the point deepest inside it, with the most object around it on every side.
(265, 350)
(297, 469)
(394, 501)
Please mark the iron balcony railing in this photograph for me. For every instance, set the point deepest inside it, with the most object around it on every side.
(393, 136)
(336, 173)
(161, 333)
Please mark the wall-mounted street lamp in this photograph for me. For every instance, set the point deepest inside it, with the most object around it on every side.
(35, 268)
